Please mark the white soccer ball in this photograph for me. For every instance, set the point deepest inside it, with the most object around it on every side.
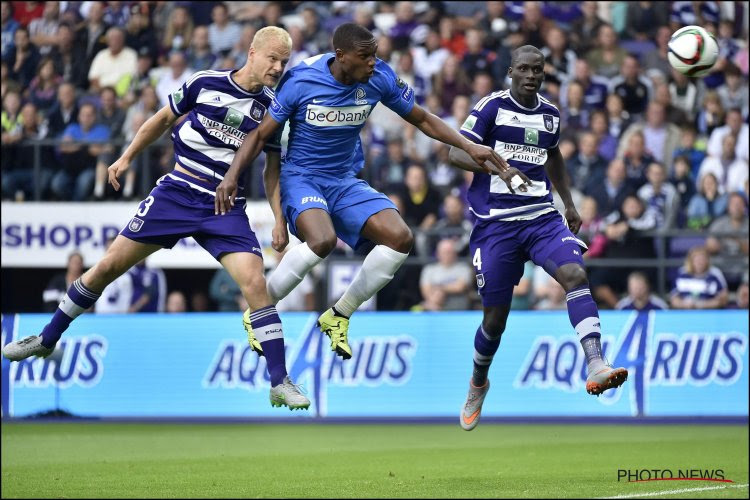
(692, 51)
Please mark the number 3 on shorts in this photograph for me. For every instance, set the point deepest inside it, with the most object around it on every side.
(477, 260)
(146, 206)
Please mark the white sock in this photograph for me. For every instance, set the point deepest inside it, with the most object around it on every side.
(377, 270)
(293, 267)
(99, 190)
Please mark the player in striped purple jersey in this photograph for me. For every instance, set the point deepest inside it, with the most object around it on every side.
(517, 222)
(221, 108)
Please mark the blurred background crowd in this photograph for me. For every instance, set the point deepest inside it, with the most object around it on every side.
(658, 162)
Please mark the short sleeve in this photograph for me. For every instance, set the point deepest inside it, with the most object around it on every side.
(285, 99)
(397, 94)
(184, 99)
(476, 126)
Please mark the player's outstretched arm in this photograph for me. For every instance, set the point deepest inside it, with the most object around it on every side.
(248, 151)
(149, 132)
(557, 174)
(434, 127)
(271, 175)
(462, 160)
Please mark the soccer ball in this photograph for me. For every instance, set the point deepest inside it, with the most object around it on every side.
(692, 51)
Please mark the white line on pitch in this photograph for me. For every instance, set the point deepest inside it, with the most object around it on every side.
(675, 492)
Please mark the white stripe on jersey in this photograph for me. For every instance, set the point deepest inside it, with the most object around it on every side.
(245, 104)
(526, 211)
(187, 162)
(194, 186)
(201, 74)
(510, 118)
(191, 138)
(483, 102)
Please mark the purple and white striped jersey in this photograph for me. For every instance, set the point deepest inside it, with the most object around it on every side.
(704, 287)
(219, 116)
(522, 137)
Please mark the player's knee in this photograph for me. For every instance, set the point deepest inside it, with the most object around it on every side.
(403, 240)
(254, 285)
(494, 322)
(322, 245)
(572, 276)
(107, 270)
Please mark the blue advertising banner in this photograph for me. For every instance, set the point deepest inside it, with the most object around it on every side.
(681, 363)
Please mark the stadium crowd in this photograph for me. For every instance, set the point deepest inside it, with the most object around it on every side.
(647, 148)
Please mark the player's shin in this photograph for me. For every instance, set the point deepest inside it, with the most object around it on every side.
(267, 328)
(377, 271)
(76, 301)
(485, 347)
(290, 272)
(584, 316)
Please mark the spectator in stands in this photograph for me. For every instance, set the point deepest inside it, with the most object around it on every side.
(660, 196)
(117, 13)
(685, 14)
(18, 157)
(639, 297)
(452, 225)
(559, 59)
(141, 36)
(64, 112)
(729, 237)
(445, 284)
(636, 157)
(607, 56)
(78, 162)
(660, 137)
(548, 294)
(200, 57)
(111, 116)
(223, 32)
(634, 89)
(531, 27)
(657, 57)
(625, 240)
(225, 292)
(142, 78)
(687, 149)
(179, 30)
(587, 168)
(699, 285)
(574, 116)
(481, 87)
(710, 115)
(93, 32)
(729, 170)
(683, 181)
(176, 302)
(707, 204)
(237, 57)
(614, 189)
(117, 296)
(114, 63)
(450, 82)
(9, 27)
(673, 114)
(389, 169)
(149, 289)
(69, 59)
(494, 25)
(684, 94)
(523, 292)
(734, 92)
(619, 119)
(405, 70)
(742, 300)
(316, 39)
(43, 88)
(59, 284)
(607, 144)
(733, 126)
(477, 58)
(24, 59)
(421, 201)
(592, 228)
(172, 79)
(43, 30)
(429, 59)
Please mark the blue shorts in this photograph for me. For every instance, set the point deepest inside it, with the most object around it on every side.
(499, 250)
(173, 210)
(349, 201)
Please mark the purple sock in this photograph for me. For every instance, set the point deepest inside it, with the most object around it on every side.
(485, 348)
(584, 316)
(267, 328)
(78, 299)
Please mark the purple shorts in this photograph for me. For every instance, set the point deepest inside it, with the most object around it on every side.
(173, 210)
(499, 250)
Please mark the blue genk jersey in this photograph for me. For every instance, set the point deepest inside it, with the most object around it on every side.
(220, 115)
(522, 137)
(326, 116)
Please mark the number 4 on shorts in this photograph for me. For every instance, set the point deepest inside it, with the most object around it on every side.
(477, 260)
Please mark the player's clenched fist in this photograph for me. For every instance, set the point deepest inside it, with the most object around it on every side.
(115, 170)
(226, 192)
(280, 236)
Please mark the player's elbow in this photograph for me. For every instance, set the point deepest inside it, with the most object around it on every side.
(453, 155)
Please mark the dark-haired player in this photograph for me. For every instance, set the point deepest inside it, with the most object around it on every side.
(515, 225)
(221, 108)
(327, 99)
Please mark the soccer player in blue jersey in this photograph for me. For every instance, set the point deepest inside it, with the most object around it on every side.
(517, 224)
(221, 108)
(327, 99)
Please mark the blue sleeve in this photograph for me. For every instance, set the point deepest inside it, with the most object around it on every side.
(477, 125)
(286, 99)
(397, 94)
(184, 99)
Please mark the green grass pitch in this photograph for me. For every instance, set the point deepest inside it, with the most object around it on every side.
(107, 460)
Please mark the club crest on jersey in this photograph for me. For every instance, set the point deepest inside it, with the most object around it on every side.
(256, 111)
(233, 118)
(135, 224)
(359, 96)
(480, 280)
(531, 136)
(548, 123)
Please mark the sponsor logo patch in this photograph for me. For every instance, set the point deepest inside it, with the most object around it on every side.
(233, 118)
(469, 123)
(326, 116)
(407, 94)
(178, 96)
(313, 199)
(530, 136)
(275, 106)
